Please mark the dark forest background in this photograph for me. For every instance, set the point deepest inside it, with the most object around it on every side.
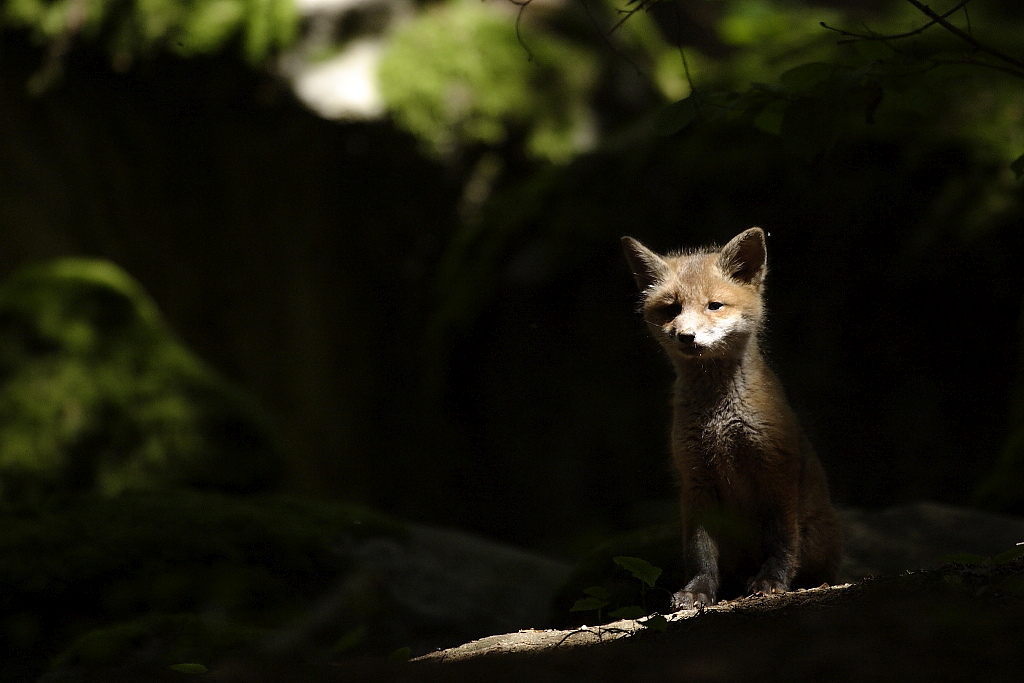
(446, 331)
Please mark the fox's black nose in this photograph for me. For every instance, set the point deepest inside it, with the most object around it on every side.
(684, 338)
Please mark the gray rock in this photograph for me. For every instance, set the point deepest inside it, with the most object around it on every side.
(451, 586)
(919, 535)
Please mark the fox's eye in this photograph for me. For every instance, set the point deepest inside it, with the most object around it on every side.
(669, 311)
(714, 305)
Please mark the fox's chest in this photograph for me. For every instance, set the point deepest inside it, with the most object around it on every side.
(726, 431)
(724, 449)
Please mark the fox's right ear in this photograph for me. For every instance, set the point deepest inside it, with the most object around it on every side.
(648, 268)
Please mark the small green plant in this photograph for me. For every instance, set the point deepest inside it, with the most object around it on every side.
(989, 575)
(1001, 558)
(599, 597)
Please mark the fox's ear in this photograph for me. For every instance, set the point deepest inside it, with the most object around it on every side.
(648, 268)
(744, 258)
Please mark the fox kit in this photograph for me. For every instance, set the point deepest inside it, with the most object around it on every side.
(755, 506)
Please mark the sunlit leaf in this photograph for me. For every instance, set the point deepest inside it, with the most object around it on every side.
(23, 12)
(259, 31)
(210, 24)
(457, 75)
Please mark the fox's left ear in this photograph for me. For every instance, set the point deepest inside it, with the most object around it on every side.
(745, 258)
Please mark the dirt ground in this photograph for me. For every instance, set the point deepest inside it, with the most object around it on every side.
(961, 622)
(930, 626)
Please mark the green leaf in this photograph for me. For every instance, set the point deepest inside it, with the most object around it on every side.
(675, 117)
(963, 558)
(209, 25)
(1013, 553)
(189, 668)
(1018, 167)
(806, 75)
(588, 604)
(628, 612)
(656, 623)
(259, 33)
(641, 569)
(599, 592)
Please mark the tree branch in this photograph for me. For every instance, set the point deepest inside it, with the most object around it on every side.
(966, 37)
(909, 34)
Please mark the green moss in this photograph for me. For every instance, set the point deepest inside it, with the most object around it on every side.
(96, 393)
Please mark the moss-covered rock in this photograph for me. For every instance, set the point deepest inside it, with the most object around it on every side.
(97, 394)
(161, 642)
(125, 568)
(150, 579)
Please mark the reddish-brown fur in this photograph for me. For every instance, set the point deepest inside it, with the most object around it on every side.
(755, 505)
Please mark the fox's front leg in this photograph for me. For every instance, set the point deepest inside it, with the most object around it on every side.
(702, 556)
(779, 547)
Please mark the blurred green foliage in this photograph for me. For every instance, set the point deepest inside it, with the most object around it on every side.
(134, 28)
(815, 75)
(458, 75)
(923, 130)
(96, 394)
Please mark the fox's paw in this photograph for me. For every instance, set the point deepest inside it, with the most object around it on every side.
(690, 600)
(766, 586)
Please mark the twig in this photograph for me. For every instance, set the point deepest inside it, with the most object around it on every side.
(522, 4)
(966, 37)
(1015, 68)
(909, 34)
(641, 5)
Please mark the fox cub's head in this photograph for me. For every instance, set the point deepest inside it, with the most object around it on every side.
(703, 304)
